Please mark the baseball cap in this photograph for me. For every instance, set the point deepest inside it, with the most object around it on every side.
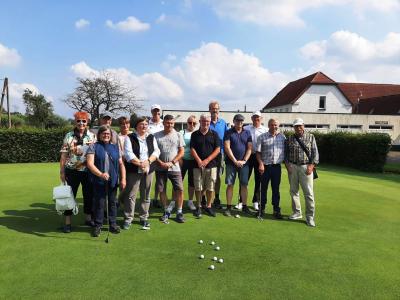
(298, 121)
(156, 106)
(256, 113)
(106, 114)
(238, 117)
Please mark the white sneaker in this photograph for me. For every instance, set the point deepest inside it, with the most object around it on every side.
(310, 221)
(295, 216)
(239, 206)
(255, 205)
(171, 206)
(191, 205)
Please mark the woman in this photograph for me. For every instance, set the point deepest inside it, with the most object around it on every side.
(188, 162)
(73, 165)
(107, 170)
(141, 150)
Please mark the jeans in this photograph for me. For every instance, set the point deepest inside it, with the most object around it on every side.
(99, 202)
(273, 173)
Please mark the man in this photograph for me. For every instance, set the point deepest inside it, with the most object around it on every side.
(171, 146)
(220, 127)
(300, 165)
(155, 125)
(106, 119)
(256, 129)
(270, 155)
(205, 147)
(238, 146)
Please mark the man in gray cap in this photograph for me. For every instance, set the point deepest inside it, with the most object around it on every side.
(238, 146)
(106, 119)
(301, 156)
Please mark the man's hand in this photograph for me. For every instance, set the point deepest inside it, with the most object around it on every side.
(122, 184)
(261, 168)
(288, 168)
(310, 168)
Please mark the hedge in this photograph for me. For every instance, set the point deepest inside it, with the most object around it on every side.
(365, 152)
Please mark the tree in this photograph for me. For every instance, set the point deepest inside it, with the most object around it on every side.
(38, 110)
(103, 92)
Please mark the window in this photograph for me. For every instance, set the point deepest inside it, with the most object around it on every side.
(377, 127)
(318, 126)
(322, 102)
(349, 126)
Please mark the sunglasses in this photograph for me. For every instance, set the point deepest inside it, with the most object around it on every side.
(81, 121)
(192, 123)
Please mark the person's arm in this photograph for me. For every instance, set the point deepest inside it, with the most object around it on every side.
(63, 159)
(180, 154)
(95, 171)
(129, 155)
(213, 155)
(122, 174)
(196, 157)
(314, 156)
(261, 168)
(228, 151)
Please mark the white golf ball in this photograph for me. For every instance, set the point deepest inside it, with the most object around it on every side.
(237, 216)
(212, 243)
(201, 242)
(217, 248)
(212, 267)
(220, 260)
(215, 258)
(201, 256)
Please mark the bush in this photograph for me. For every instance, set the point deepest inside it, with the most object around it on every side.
(31, 145)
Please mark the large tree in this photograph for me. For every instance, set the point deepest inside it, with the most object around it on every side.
(38, 110)
(103, 92)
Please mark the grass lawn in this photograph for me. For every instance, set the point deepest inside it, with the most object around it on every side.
(352, 253)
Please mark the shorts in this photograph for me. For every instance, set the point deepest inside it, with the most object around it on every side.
(231, 172)
(188, 165)
(174, 177)
(204, 179)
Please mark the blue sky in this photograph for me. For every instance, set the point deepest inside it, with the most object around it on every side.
(182, 54)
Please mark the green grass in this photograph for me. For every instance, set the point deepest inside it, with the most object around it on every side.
(392, 167)
(352, 253)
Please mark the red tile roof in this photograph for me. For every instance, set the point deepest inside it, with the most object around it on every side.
(385, 105)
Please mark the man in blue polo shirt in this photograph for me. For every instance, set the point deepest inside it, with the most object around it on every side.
(220, 127)
(238, 146)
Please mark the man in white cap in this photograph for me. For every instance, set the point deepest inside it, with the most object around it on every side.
(155, 125)
(301, 156)
(256, 129)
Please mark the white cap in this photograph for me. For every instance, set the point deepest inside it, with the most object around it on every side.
(256, 113)
(298, 121)
(156, 106)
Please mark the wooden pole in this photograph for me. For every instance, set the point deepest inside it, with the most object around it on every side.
(2, 100)
(8, 103)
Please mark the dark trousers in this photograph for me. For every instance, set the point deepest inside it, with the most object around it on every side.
(253, 165)
(99, 203)
(74, 178)
(273, 173)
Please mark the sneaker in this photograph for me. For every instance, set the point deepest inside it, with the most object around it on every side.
(203, 202)
(277, 215)
(165, 216)
(145, 224)
(255, 205)
(96, 231)
(126, 225)
(217, 204)
(89, 223)
(210, 212)
(295, 216)
(239, 206)
(191, 205)
(246, 210)
(171, 206)
(180, 218)
(115, 229)
(310, 221)
(227, 213)
(67, 228)
(197, 213)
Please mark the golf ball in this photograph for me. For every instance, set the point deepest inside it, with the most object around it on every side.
(201, 256)
(201, 242)
(220, 260)
(237, 216)
(215, 258)
(217, 248)
(212, 267)
(212, 243)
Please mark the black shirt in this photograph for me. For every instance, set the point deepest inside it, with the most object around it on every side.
(205, 144)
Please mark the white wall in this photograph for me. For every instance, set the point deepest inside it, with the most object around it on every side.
(335, 101)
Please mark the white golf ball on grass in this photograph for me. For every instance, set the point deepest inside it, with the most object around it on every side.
(212, 243)
(215, 258)
(201, 242)
(212, 267)
(217, 248)
(221, 260)
(201, 256)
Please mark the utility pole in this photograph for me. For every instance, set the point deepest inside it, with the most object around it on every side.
(5, 93)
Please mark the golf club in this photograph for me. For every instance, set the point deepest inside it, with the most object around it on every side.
(108, 223)
(259, 200)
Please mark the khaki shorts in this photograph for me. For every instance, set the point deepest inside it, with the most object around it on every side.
(204, 179)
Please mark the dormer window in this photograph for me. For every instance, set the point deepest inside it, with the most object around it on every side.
(322, 102)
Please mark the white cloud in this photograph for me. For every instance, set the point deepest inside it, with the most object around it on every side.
(131, 24)
(348, 56)
(81, 23)
(161, 18)
(16, 91)
(152, 87)
(9, 57)
(288, 12)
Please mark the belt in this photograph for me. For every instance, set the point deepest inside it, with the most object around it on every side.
(296, 163)
(272, 165)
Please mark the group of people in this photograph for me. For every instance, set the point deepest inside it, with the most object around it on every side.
(101, 160)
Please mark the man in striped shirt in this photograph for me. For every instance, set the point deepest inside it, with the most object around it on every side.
(270, 155)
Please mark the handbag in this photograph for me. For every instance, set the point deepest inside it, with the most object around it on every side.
(64, 199)
(307, 152)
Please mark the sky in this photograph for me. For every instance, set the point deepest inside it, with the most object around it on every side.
(182, 54)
